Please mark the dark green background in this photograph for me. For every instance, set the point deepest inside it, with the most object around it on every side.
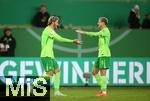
(76, 12)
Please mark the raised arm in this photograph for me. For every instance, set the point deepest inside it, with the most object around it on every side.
(61, 39)
(92, 33)
(100, 33)
(88, 33)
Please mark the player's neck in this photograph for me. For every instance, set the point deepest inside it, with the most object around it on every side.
(52, 26)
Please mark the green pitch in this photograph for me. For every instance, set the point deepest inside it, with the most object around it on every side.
(115, 94)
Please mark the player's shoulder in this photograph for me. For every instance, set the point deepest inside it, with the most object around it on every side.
(47, 30)
(106, 30)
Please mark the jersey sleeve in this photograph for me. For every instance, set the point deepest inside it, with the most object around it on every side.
(100, 33)
(61, 39)
(92, 33)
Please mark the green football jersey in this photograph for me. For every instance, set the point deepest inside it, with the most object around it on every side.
(103, 43)
(47, 40)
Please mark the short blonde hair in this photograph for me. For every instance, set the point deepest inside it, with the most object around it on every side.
(104, 19)
(52, 19)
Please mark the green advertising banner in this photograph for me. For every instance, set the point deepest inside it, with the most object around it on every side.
(122, 71)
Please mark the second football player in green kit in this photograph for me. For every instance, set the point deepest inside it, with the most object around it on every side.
(102, 63)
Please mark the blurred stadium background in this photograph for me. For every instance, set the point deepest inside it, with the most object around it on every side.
(126, 44)
(18, 14)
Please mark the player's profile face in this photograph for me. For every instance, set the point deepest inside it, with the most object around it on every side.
(56, 24)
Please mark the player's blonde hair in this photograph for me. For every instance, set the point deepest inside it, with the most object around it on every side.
(52, 19)
(104, 19)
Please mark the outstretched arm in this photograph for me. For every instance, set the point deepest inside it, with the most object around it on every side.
(61, 39)
(88, 33)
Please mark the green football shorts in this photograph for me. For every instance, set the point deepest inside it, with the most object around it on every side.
(49, 64)
(102, 62)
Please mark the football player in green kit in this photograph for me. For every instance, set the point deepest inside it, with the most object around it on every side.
(47, 56)
(104, 54)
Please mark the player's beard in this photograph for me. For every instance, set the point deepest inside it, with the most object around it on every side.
(99, 26)
(55, 26)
